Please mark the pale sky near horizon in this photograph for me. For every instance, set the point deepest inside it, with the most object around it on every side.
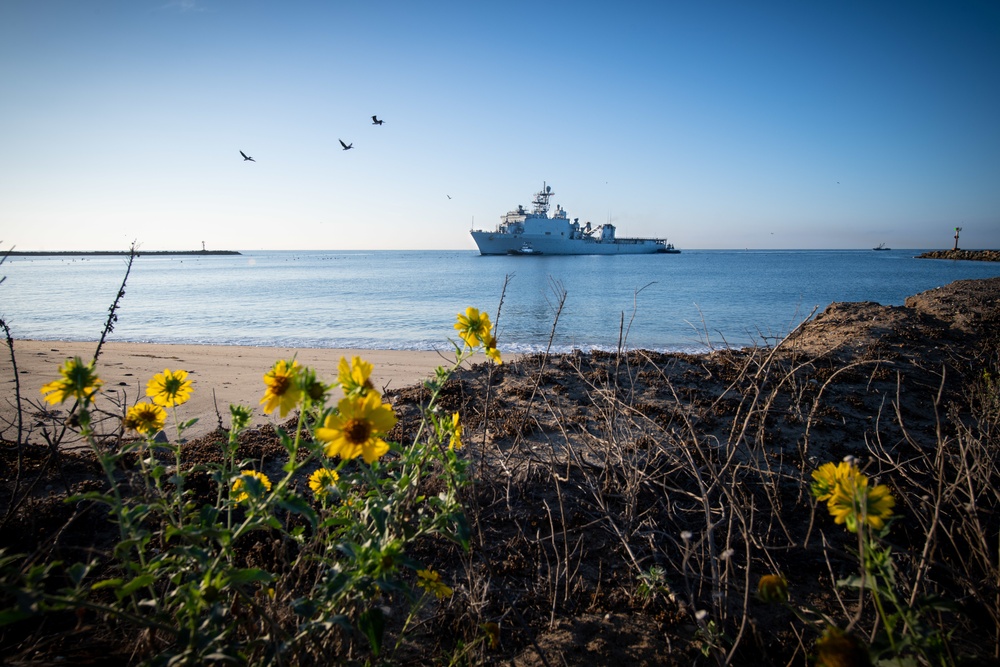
(723, 124)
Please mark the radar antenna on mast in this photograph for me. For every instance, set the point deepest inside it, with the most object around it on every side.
(541, 200)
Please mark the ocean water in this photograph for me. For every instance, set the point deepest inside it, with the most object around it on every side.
(408, 299)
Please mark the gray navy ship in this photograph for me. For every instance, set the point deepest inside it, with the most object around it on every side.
(535, 233)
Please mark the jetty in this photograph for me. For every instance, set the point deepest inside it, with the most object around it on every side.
(972, 255)
(104, 253)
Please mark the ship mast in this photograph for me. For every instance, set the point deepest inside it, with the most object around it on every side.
(541, 201)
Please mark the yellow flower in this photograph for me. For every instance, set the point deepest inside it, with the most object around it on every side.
(283, 392)
(490, 348)
(355, 377)
(772, 588)
(853, 503)
(430, 581)
(473, 327)
(169, 388)
(849, 499)
(250, 483)
(323, 482)
(145, 418)
(828, 476)
(456, 433)
(78, 381)
(837, 648)
(357, 428)
(880, 503)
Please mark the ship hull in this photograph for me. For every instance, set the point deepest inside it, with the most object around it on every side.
(495, 243)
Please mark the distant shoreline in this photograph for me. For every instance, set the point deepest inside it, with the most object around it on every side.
(99, 253)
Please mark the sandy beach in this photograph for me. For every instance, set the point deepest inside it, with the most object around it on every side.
(221, 374)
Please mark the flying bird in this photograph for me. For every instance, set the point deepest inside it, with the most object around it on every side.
(246, 157)
(376, 121)
(347, 147)
(448, 196)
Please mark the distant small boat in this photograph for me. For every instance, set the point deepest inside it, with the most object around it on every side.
(525, 249)
(881, 246)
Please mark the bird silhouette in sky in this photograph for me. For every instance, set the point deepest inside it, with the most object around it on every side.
(347, 147)
(246, 157)
(448, 196)
(376, 121)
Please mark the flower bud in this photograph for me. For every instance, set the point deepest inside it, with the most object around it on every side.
(772, 588)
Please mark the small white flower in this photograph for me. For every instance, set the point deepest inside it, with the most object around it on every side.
(727, 554)
(686, 536)
(700, 614)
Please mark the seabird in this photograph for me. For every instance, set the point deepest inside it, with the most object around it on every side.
(376, 121)
(246, 157)
(448, 196)
(346, 146)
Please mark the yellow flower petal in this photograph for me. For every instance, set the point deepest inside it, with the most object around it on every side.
(355, 376)
(323, 482)
(78, 381)
(357, 428)
(146, 418)
(242, 487)
(473, 327)
(169, 388)
(283, 392)
(456, 433)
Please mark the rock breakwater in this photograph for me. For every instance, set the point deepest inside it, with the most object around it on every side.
(974, 255)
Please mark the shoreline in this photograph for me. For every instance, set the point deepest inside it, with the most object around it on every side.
(224, 375)
(221, 374)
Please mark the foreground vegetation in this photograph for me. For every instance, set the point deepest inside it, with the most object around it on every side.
(765, 506)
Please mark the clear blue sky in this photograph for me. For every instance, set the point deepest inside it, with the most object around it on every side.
(723, 124)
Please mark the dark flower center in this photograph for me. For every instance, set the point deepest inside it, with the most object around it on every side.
(358, 431)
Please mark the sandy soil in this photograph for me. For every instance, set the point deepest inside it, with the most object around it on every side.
(221, 374)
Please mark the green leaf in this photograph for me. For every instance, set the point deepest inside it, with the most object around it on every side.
(462, 531)
(139, 582)
(857, 582)
(91, 495)
(76, 572)
(937, 603)
(298, 505)
(106, 583)
(7, 559)
(372, 624)
(304, 607)
(247, 575)
(8, 616)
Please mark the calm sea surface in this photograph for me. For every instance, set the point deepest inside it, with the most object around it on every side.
(408, 300)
